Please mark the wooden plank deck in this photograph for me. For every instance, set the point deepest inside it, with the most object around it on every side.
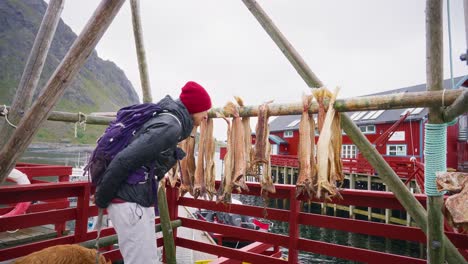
(26, 235)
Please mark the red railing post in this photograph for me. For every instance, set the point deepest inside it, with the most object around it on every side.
(294, 208)
(82, 207)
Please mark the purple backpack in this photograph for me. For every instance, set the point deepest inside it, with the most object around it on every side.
(117, 136)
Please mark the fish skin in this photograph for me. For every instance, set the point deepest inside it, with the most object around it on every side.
(210, 171)
(199, 188)
(225, 189)
(263, 150)
(326, 187)
(304, 181)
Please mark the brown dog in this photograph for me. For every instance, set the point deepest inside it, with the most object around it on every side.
(63, 254)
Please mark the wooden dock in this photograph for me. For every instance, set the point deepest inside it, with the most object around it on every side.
(186, 256)
(26, 235)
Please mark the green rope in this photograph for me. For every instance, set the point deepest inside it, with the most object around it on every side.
(435, 156)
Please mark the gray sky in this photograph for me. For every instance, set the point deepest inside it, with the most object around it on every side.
(363, 46)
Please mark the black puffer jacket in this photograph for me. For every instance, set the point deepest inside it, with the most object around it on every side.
(155, 144)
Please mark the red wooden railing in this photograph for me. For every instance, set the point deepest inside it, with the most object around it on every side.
(293, 215)
(403, 166)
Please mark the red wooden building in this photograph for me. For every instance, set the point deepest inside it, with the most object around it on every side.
(392, 131)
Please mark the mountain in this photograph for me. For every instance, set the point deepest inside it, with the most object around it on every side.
(100, 85)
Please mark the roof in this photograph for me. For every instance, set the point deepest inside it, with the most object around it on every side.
(277, 140)
(290, 122)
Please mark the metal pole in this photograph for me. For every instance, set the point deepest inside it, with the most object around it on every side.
(58, 82)
(33, 69)
(140, 48)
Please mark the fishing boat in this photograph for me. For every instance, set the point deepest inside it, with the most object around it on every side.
(232, 219)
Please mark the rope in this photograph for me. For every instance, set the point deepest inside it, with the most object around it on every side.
(435, 151)
(80, 122)
(5, 113)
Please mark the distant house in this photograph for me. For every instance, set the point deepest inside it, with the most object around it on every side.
(406, 141)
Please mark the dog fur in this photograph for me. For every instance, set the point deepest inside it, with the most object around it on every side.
(63, 254)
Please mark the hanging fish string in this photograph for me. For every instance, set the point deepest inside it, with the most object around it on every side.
(329, 164)
(306, 156)
(320, 168)
(187, 164)
(199, 188)
(210, 170)
(224, 190)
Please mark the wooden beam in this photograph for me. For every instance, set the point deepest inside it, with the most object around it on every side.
(75, 117)
(366, 103)
(458, 107)
(285, 46)
(434, 82)
(58, 82)
(140, 48)
(395, 101)
(412, 206)
(33, 69)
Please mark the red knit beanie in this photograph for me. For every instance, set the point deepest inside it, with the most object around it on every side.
(195, 98)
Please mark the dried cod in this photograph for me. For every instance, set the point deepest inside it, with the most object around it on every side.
(187, 164)
(224, 190)
(199, 188)
(329, 166)
(210, 172)
(262, 150)
(307, 167)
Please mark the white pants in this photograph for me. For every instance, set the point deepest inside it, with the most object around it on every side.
(134, 225)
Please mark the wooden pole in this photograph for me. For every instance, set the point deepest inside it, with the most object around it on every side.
(169, 246)
(140, 48)
(459, 107)
(434, 76)
(285, 46)
(367, 103)
(75, 117)
(386, 173)
(393, 101)
(33, 69)
(58, 82)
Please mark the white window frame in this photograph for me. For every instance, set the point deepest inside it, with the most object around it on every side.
(349, 151)
(396, 151)
(367, 130)
(288, 134)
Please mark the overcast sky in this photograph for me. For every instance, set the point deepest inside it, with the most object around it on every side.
(363, 46)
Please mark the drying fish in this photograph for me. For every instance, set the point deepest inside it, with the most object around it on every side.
(172, 175)
(262, 149)
(456, 204)
(267, 182)
(327, 173)
(210, 174)
(249, 150)
(306, 156)
(199, 188)
(238, 147)
(187, 164)
(224, 190)
(336, 173)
